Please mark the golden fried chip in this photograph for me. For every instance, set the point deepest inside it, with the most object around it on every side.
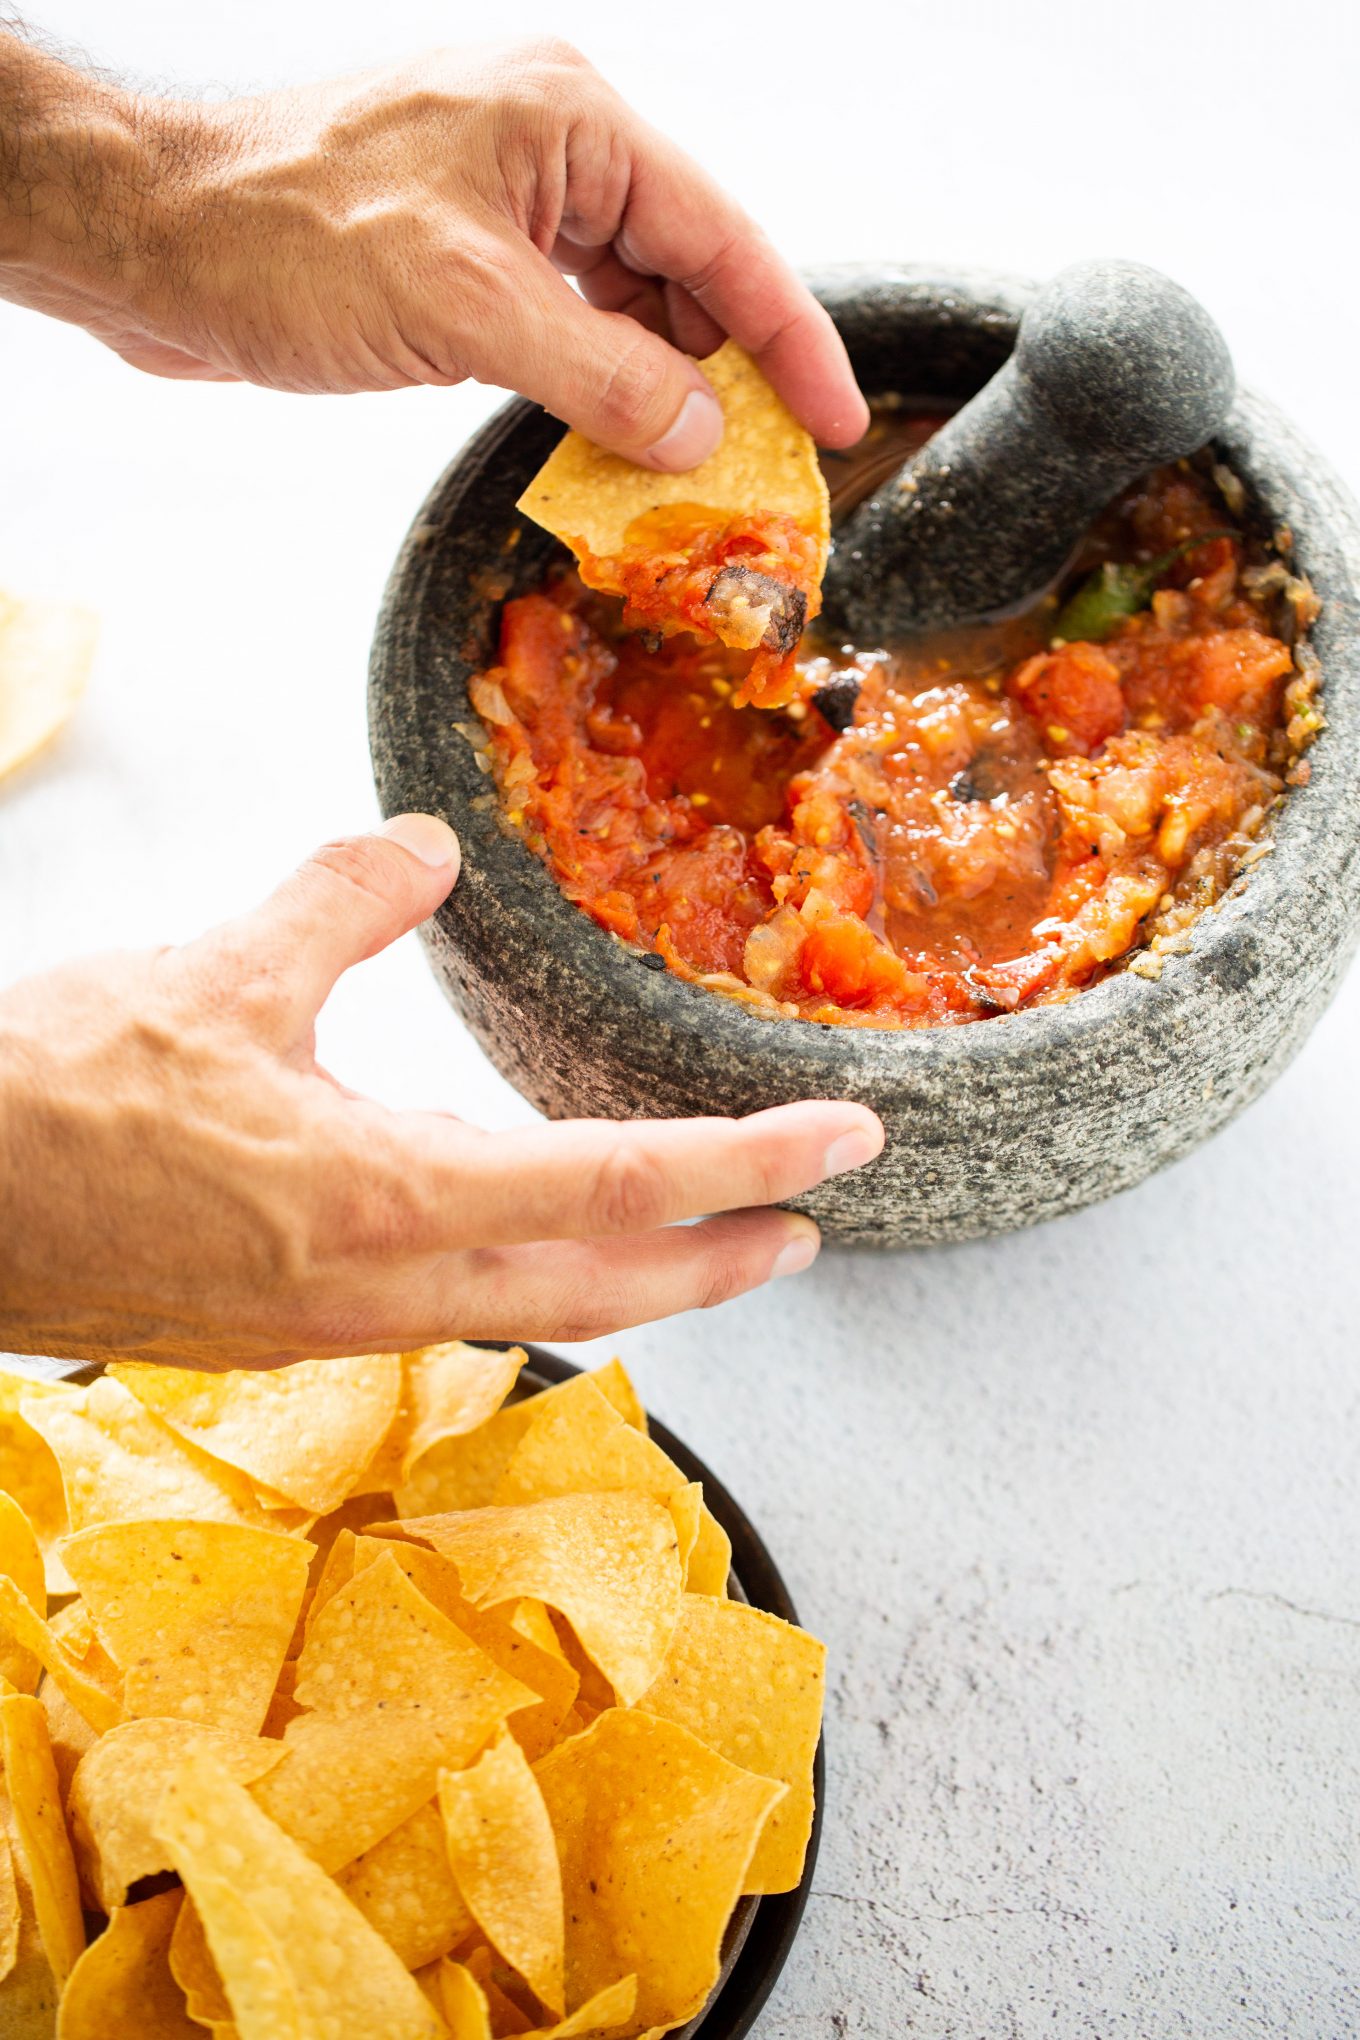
(46, 650)
(709, 1566)
(341, 1786)
(122, 1984)
(121, 1464)
(751, 1687)
(651, 1827)
(578, 1443)
(28, 1470)
(504, 1860)
(20, 1561)
(518, 1637)
(68, 1731)
(198, 1615)
(117, 1787)
(463, 2002)
(379, 1643)
(303, 1432)
(767, 462)
(406, 1891)
(609, 1563)
(87, 1692)
(35, 1802)
(195, 1972)
(295, 1957)
(463, 1473)
(446, 1391)
(29, 1992)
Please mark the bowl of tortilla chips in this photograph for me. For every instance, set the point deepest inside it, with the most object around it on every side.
(1013, 1119)
(417, 1695)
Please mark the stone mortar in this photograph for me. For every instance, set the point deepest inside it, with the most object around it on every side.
(991, 1126)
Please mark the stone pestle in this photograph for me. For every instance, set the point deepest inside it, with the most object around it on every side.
(1115, 370)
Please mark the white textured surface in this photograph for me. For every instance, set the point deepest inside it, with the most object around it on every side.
(1076, 1511)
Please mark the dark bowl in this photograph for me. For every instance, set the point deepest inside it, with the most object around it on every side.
(990, 1126)
(762, 1930)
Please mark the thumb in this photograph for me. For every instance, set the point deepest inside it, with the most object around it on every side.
(350, 899)
(622, 386)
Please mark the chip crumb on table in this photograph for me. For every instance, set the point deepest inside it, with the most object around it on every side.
(383, 1705)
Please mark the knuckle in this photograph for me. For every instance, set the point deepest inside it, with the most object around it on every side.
(724, 1276)
(628, 404)
(366, 866)
(630, 1191)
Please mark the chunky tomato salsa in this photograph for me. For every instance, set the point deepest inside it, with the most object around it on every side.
(1005, 815)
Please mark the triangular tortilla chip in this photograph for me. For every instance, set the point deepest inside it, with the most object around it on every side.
(122, 1984)
(304, 1432)
(198, 1615)
(651, 1826)
(751, 1687)
(406, 1891)
(446, 1392)
(295, 1957)
(117, 1787)
(22, 1562)
(623, 1612)
(504, 1861)
(34, 1796)
(766, 462)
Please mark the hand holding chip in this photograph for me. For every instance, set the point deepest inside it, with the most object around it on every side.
(410, 226)
(179, 1177)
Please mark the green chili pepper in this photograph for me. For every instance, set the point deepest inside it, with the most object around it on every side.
(1113, 592)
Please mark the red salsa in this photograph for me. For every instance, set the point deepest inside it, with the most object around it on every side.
(1006, 818)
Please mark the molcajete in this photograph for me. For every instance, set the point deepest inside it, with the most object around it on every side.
(991, 1126)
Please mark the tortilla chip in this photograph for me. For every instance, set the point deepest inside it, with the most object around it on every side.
(29, 1993)
(708, 1568)
(68, 1732)
(340, 1527)
(35, 1800)
(767, 462)
(463, 1473)
(303, 1432)
(379, 1643)
(28, 1470)
(406, 1891)
(519, 1638)
(87, 1693)
(504, 1861)
(651, 1827)
(22, 1562)
(194, 1970)
(623, 1612)
(121, 1464)
(122, 1983)
(46, 651)
(295, 1957)
(341, 1786)
(468, 2016)
(117, 1787)
(751, 1687)
(463, 2002)
(198, 1615)
(446, 1391)
(578, 1443)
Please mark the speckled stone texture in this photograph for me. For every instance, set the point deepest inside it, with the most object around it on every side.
(1116, 369)
(992, 1126)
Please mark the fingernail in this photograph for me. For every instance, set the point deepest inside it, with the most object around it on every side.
(426, 837)
(697, 432)
(797, 1253)
(851, 1151)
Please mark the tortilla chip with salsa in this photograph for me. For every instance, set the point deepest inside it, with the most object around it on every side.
(734, 550)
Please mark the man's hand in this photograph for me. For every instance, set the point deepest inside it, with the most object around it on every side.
(179, 1179)
(409, 226)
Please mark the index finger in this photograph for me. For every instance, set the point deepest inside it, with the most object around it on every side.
(679, 224)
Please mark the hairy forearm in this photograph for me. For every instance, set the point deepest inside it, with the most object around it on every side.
(90, 177)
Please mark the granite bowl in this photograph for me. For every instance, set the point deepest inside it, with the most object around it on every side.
(991, 1126)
